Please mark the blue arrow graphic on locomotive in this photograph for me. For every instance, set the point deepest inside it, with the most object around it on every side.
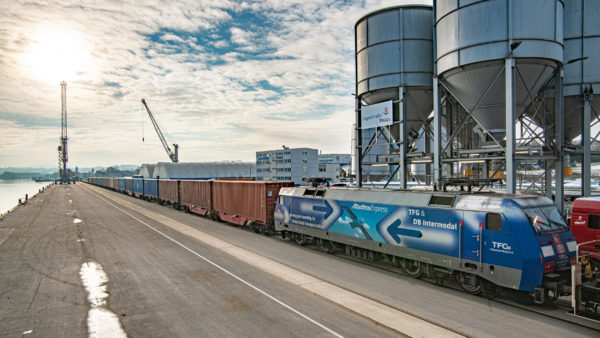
(327, 209)
(396, 231)
(357, 224)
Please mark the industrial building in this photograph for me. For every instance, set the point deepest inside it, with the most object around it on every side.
(287, 164)
(335, 167)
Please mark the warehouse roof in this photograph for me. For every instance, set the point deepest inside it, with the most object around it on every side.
(204, 170)
(146, 170)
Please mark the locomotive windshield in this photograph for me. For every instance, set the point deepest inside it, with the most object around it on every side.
(545, 219)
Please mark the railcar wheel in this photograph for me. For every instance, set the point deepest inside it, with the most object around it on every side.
(325, 245)
(412, 268)
(470, 283)
(284, 235)
(254, 227)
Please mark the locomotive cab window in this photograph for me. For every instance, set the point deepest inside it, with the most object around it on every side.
(594, 222)
(493, 222)
(320, 193)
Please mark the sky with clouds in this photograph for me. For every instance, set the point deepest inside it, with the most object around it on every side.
(224, 78)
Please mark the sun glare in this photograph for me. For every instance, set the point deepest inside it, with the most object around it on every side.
(54, 55)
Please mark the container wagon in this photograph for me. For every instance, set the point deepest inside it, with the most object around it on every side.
(196, 196)
(129, 186)
(121, 184)
(246, 203)
(150, 189)
(138, 187)
(168, 192)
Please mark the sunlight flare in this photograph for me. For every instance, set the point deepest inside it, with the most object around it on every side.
(57, 54)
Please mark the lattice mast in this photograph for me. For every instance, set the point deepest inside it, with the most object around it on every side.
(63, 155)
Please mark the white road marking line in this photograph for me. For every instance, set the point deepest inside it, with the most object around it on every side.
(230, 273)
(101, 321)
(77, 220)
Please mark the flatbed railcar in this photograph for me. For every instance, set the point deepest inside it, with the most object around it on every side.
(485, 241)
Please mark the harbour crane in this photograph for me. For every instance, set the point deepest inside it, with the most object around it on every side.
(174, 156)
(63, 156)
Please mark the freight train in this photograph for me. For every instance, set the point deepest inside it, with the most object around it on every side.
(485, 241)
(242, 202)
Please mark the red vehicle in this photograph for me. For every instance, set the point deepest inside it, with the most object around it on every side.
(585, 225)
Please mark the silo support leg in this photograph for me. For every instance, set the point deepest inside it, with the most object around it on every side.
(402, 134)
(559, 139)
(586, 166)
(437, 134)
(510, 126)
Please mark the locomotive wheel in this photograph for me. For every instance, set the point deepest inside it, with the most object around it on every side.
(412, 268)
(470, 283)
(284, 235)
(299, 238)
(325, 245)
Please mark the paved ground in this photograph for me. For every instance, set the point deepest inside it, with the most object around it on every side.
(157, 287)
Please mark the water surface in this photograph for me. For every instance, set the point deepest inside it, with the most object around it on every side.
(12, 190)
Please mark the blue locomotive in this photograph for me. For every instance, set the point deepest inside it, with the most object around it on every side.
(485, 241)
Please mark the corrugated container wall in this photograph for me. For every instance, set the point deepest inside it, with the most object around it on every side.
(168, 190)
(129, 184)
(138, 186)
(150, 187)
(254, 200)
(196, 193)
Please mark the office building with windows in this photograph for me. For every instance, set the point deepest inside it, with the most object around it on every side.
(287, 164)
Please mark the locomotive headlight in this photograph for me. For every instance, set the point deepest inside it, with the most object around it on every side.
(547, 251)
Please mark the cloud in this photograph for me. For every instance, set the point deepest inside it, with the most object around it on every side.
(224, 78)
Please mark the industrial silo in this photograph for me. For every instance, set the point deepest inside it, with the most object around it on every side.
(394, 49)
(476, 42)
(581, 79)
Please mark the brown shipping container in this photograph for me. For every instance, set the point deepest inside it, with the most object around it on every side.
(254, 200)
(197, 193)
(168, 190)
